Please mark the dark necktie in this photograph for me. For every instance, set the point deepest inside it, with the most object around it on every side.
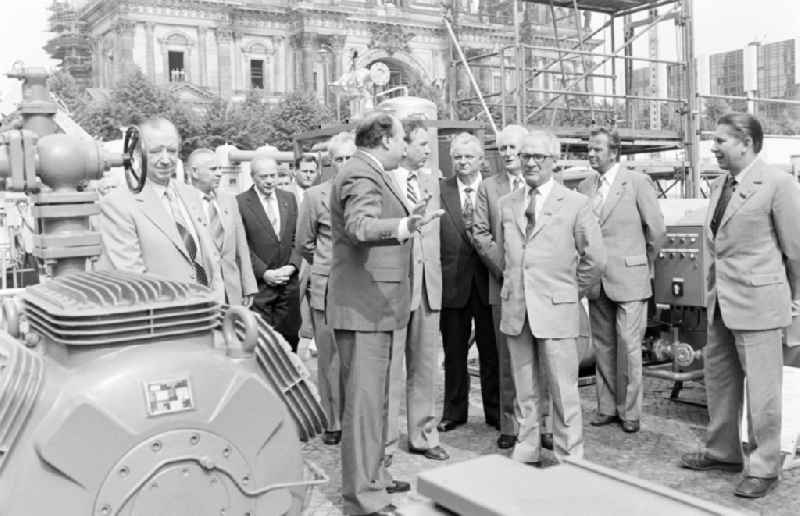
(722, 204)
(468, 210)
(214, 222)
(530, 213)
(411, 188)
(186, 237)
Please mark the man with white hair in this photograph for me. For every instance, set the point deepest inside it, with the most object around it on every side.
(315, 245)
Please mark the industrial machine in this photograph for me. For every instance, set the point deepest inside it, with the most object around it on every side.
(123, 394)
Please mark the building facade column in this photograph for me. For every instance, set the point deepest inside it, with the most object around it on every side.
(150, 51)
(295, 58)
(224, 65)
(308, 46)
(236, 58)
(123, 55)
(337, 47)
(202, 57)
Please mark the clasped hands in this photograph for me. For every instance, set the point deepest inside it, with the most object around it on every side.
(279, 276)
(420, 216)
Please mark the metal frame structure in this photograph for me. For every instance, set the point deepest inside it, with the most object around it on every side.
(522, 95)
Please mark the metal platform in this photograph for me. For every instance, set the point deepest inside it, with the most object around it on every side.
(603, 6)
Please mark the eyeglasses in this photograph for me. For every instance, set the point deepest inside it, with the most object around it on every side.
(341, 159)
(538, 158)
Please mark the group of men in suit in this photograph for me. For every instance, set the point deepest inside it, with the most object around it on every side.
(397, 255)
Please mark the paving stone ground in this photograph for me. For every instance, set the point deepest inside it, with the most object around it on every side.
(668, 429)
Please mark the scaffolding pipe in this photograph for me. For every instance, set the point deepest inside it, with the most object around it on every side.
(520, 62)
(560, 59)
(469, 74)
(608, 95)
(751, 99)
(603, 54)
(656, 5)
(691, 146)
(503, 86)
(583, 58)
(601, 63)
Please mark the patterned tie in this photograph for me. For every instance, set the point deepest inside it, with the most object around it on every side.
(468, 210)
(530, 213)
(722, 204)
(214, 221)
(411, 188)
(186, 237)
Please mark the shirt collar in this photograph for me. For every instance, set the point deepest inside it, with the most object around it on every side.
(512, 178)
(474, 185)
(372, 158)
(740, 176)
(263, 197)
(544, 189)
(611, 174)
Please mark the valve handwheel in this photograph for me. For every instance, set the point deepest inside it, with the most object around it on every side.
(135, 164)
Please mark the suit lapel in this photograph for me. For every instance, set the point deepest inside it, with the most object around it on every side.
(387, 179)
(614, 194)
(283, 210)
(519, 211)
(716, 191)
(749, 186)
(452, 202)
(551, 206)
(257, 209)
(154, 210)
(503, 184)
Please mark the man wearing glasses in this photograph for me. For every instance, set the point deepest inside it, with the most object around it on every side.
(626, 206)
(313, 243)
(552, 252)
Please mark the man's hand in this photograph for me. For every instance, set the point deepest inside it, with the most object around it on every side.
(419, 217)
(275, 277)
(247, 301)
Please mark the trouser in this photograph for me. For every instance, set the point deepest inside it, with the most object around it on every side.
(365, 361)
(730, 357)
(510, 415)
(329, 378)
(617, 332)
(554, 362)
(456, 328)
(282, 312)
(420, 349)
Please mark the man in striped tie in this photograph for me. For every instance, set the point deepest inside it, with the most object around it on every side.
(161, 229)
(234, 270)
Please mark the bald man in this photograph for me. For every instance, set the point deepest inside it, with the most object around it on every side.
(269, 215)
(162, 229)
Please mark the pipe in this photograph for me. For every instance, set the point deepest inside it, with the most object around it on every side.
(675, 376)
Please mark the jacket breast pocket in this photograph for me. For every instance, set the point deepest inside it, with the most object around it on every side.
(387, 274)
(565, 297)
(761, 280)
(636, 260)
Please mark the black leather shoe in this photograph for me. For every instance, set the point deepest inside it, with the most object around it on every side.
(547, 441)
(506, 441)
(535, 463)
(332, 437)
(445, 425)
(435, 453)
(398, 486)
(389, 510)
(603, 420)
(699, 462)
(754, 487)
(630, 426)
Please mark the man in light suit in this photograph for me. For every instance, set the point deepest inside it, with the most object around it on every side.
(367, 303)
(270, 220)
(465, 291)
(484, 233)
(314, 245)
(421, 346)
(626, 205)
(552, 253)
(162, 229)
(753, 271)
(225, 226)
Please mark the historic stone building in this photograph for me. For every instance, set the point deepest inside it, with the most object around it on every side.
(202, 48)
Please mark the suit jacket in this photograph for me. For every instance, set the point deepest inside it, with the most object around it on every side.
(235, 264)
(461, 264)
(753, 265)
(426, 256)
(487, 226)
(299, 193)
(140, 236)
(267, 251)
(545, 275)
(369, 287)
(633, 231)
(314, 242)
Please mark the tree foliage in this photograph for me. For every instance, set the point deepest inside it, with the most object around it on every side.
(296, 112)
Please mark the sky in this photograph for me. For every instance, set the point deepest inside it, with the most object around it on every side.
(719, 25)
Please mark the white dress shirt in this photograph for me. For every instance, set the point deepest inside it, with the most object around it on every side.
(462, 195)
(606, 180)
(161, 192)
(512, 178)
(542, 193)
(270, 205)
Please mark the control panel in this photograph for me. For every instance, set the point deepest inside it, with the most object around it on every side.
(679, 272)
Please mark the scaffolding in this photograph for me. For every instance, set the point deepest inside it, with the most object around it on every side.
(559, 74)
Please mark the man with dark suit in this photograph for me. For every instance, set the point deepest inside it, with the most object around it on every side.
(315, 245)
(225, 226)
(421, 347)
(753, 271)
(465, 291)
(270, 220)
(484, 232)
(552, 252)
(162, 229)
(368, 299)
(626, 205)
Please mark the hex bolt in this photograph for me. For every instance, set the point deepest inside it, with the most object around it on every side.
(156, 446)
(123, 471)
(245, 480)
(32, 340)
(194, 439)
(226, 452)
(105, 509)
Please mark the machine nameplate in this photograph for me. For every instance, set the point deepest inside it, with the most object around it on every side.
(168, 396)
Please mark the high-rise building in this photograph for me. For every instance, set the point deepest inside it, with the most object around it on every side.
(726, 73)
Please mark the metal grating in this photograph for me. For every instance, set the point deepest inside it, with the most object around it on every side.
(101, 308)
(21, 374)
(290, 379)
